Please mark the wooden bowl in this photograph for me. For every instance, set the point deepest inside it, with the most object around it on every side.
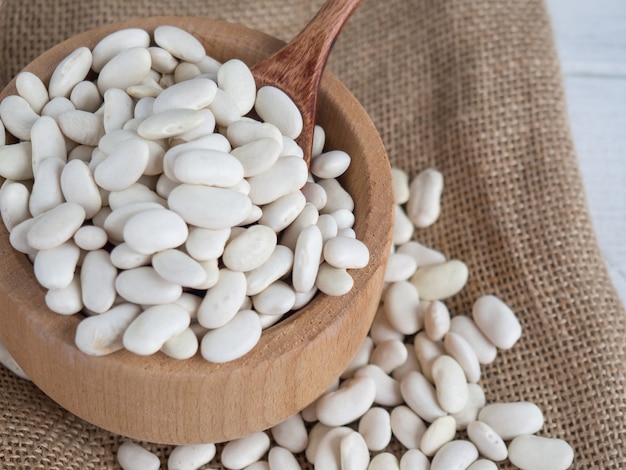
(163, 400)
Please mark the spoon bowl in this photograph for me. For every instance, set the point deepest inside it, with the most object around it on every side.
(163, 400)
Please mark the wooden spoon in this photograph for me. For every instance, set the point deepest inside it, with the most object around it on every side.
(297, 68)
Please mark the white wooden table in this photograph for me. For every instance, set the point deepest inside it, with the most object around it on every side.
(591, 41)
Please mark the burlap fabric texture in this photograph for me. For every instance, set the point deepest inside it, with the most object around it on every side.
(472, 88)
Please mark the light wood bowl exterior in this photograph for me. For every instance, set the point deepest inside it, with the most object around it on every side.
(162, 400)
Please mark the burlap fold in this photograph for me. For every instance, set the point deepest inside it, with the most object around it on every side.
(472, 88)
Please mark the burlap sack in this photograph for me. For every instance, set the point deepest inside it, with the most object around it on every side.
(473, 88)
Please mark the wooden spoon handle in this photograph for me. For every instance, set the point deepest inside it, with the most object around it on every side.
(298, 67)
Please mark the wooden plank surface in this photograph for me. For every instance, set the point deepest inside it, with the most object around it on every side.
(591, 41)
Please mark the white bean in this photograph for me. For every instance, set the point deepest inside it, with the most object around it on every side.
(487, 441)
(99, 335)
(223, 300)
(30, 87)
(78, 186)
(427, 352)
(258, 155)
(283, 211)
(145, 287)
(208, 167)
(205, 244)
(274, 106)
(419, 394)
(401, 303)
(457, 454)
(154, 230)
(465, 327)
(424, 202)
(46, 140)
(280, 458)
(153, 327)
(224, 108)
(54, 268)
(118, 109)
(124, 166)
(375, 427)
(400, 267)
(440, 281)
(422, 255)
(81, 126)
(440, 432)
(179, 268)
(497, 321)
(184, 345)
(193, 94)
(337, 196)
(360, 359)
(414, 459)
(132, 456)
(244, 451)
(55, 226)
(124, 257)
(86, 97)
(162, 61)
(483, 464)
(389, 355)
(190, 457)
(348, 253)
(16, 161)
(278, 264)
(47, 192)
(436, 320)
(403, 228)
(513, 419)
(306, 260)
(475, 401)
(318, 431)
(14, 203)
(250, 249)
(239, 335)
(387, 388)
(327, 454)
(331, 164)
(66, 301)
(333, 281)
(291, 434)
(57, 106)
(129, 67)
(461, 351)
(235, 78)
(288, 174)
(384, 461)
(450, 384)
(203, 206)
(347, 404)
(277, 299)
(540, 453)
(400, 181)
(70, 71)
(407, 427)
(114, 43)
(354, 452)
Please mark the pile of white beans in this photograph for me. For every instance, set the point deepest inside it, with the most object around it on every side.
(149, 201)
(415, 379)
(143, 169)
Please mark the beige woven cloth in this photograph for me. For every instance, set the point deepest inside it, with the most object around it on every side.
(473, 88)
